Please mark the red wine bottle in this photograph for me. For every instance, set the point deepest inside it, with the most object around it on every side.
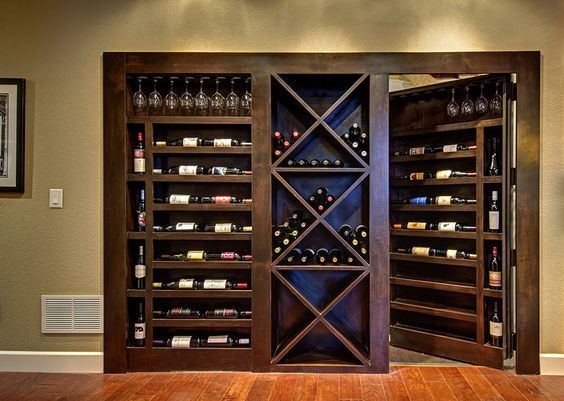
(223, 228)
(187, 227)
(496, 327)
(186, 170)
(178, 199)
(223, 256)
(224, 341)
(178, 342)
(294, 136)
(139, 155)
(221, 284)
(179, 312)
(218, 170)
(226, 313)
(139, 327)
(494, 271)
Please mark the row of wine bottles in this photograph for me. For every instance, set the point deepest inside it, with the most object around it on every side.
(357, 140)
(201, 284)
(440, 226)
(439, 175)
(358, 237)
(421, 150)
(201, 170)
(199, 227)
(326, 163)
(284, 234)
(215, 341)
(281, 144)
(183, 199)
(186, 312)
(194, 142)
(322, 256)
(321, 199)
(435, 200)
(445, 253)
(203, 256)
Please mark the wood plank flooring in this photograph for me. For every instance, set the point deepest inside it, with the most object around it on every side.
(404, 383)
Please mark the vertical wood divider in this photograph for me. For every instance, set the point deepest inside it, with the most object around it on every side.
(149, 245)
(480, 213)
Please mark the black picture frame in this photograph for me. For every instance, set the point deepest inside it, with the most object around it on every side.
(12, 131)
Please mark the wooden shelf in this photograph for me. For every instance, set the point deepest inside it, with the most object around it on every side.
(202, 178)
(433, 259)
(434, 285)
(488, 292)
(433, 208)
(492, 122)
(433, 309)
(202, 150)
(433, 181)
(433, 233)
(434, 156)
(493, 179)
(202, 323)
(493, 236)
(173, 236)
(136, 177)
(136, 235)
(220, 120)
(319, 169)
(136, 293)
(161, 264)
(202, 294)
(323, 268)
(202, 207)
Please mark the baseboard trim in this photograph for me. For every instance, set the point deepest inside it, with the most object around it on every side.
(552, 364)
(51, 362)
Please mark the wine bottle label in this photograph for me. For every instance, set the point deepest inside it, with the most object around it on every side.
(214, 284)
(247, 258)
(186, 283)
(181, 341)
(223, 228)
(451, 253)
(420, 200)
(188, 170)
(180, 311)
(176, 199)
(494, 278)
(417, 151)
(417, 176)
(416, 225)
(443, 174)
(443, 200)
(139, 331)
(447, 226)
(218, 170)
(139, 163)
(160, 143)
(195, 255)
(222, 143)
(142, 219)
(190, 142)
(247, 201)
(224, 312)
(244, 341)
(185, 227)
(140, 271)
(218, 339)
(157, 171)
(496, 329)
(247, 229)
(222, 199)
(227, 255)
(420, 251)
(493, 220)
(450, 148)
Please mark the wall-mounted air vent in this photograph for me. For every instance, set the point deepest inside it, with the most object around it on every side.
(72, 314)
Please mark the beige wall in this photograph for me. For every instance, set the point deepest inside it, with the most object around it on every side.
(57, 47)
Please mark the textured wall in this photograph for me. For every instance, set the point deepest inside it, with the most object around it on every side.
(57, 47)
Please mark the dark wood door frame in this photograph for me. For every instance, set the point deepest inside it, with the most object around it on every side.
(525, 64)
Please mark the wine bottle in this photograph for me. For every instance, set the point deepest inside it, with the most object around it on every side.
(218, 170)
(278, 231)
(223, 228)
(291, 163)
(321, 191)
(338, 163)
(222, 313)
(349, 259)
(457, 147)
(277, 153)
(294, 136)
(322, 256)
(186, 170)
(178, 199)
(304, 223)
(454, 226)
(224, 341)
(181, 284)
(363, 153)
(189, 227)
(347, 138)
(141, 213)
(185, 142)
(496, 326)
(361, 231)
(140, 269)
(178, 342)
(221, 200)
(297, 214)
(355, 130)
(335, 256)
(428, 251)
(290, 223)
(363, 139)
(139, 327)
(362, 248)
(346, 231)
(494, 270)
(221, 284)
(420, 150)
(139, 155)
(437, 200)
(493, 214)
(232, 256)
(445, 174)
(303, 163)
(307, 257)
(179, 312)
(326, 163)
(415, 225)
(294, 256)
(221, 142)
(493, 168)
(314, 163)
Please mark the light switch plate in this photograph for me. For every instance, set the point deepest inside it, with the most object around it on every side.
(56, 198)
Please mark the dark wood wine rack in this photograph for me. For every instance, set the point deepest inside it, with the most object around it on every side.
(317, 318)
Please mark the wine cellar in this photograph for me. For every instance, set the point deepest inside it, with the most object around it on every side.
(287, 213)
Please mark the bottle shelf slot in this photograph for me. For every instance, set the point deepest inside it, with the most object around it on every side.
(202, 150)
(202, 178)
(323, 268)
(489, 292)
(433, 233)
(433, 181)
(493, 236)
(202, 294)
(433, 259)
(173, 236)
(433, 309)
(495, 179)
(444, 128)
(433, 208)
(202, 207)
(320, 169)
(202, 323)
(464, 154)
(161, 264)
(433, 335)
(190, 120)
(434, 285)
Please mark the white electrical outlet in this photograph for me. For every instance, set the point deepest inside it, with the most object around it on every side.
(56, 198)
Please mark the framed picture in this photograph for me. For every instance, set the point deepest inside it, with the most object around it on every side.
(12, 118)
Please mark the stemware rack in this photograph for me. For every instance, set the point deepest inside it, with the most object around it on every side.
(308, 317)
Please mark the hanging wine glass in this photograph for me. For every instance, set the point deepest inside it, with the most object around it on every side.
(467, 107)
(171, 100)
(232, 101)
(452, 107)
(246, 100)
(140, 99)
(496, 104)
(202, 101)
(482, 102)
(187, 100)
(217, 99)
(155, 98)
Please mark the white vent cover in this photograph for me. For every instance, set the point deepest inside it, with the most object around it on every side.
(72, 314)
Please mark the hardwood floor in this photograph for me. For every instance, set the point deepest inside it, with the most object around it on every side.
(404, 383)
